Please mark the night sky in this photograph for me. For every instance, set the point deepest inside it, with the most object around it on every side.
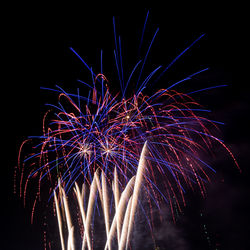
(38, 41)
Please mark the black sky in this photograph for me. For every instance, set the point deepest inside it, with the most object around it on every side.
(38, 40)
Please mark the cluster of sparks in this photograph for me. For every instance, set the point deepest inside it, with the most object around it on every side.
(107, 131)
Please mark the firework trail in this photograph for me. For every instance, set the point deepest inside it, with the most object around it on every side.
(106, 130)
(124, 223)
(138, 183)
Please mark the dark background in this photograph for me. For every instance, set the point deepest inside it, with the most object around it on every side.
(38, 39)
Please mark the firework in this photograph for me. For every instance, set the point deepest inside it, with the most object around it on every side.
(123, 218)
(106, 130)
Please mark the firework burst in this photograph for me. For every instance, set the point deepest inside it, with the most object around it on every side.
(106, 130)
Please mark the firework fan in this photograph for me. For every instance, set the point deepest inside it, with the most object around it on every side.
(107, 129)
(123, 218)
